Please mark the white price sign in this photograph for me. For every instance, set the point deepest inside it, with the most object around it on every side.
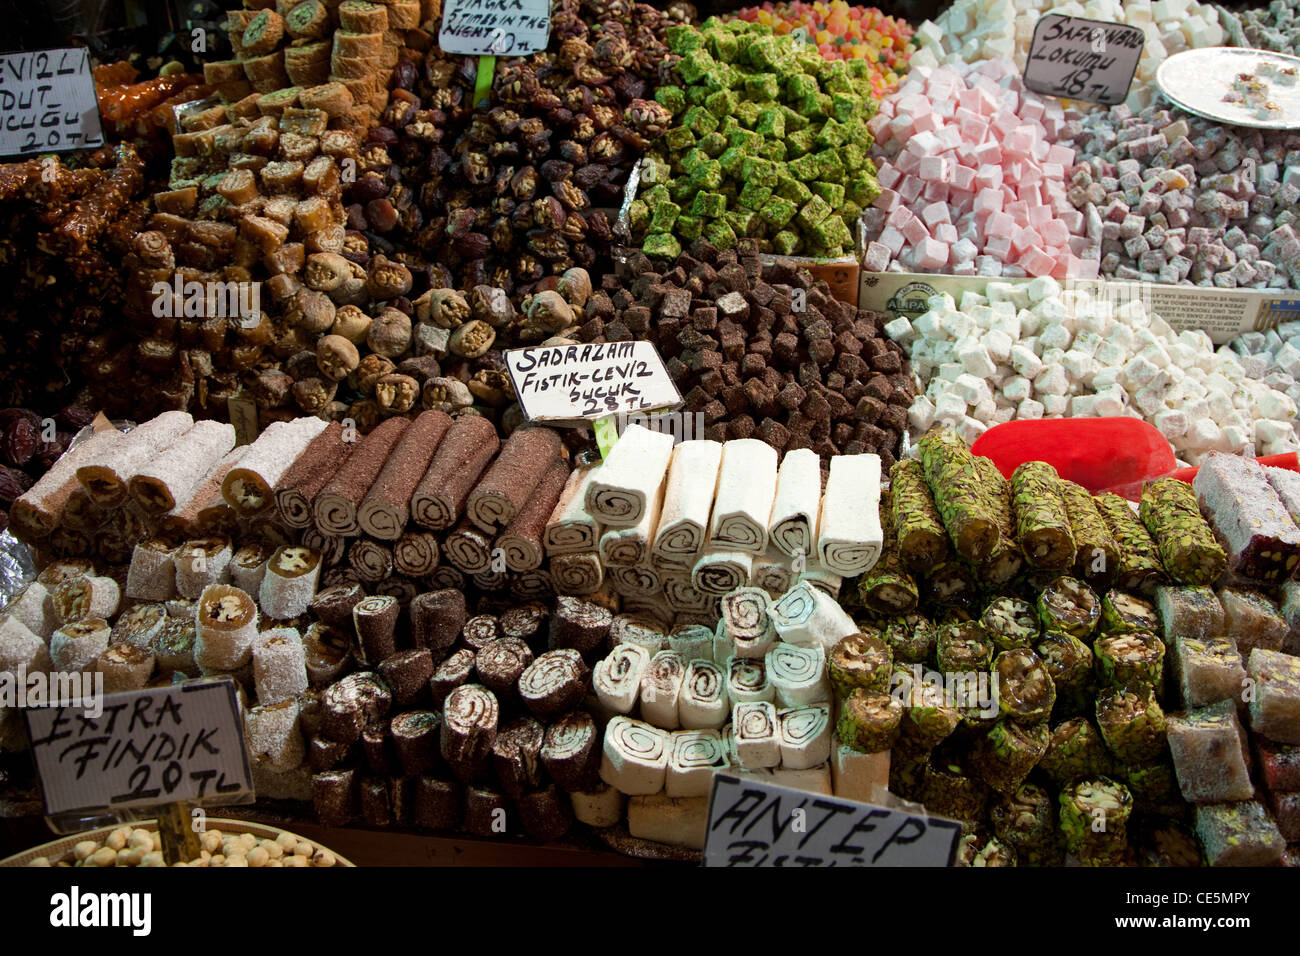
(183, 743)
(761, 824)
(48, 102)
(1081, 59)
(495, 27)
(559, 383)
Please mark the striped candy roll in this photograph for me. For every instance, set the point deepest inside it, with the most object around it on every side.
(36, 511)
(746, 491)
(793, 526)
(466, 449)
(105, 480)
(577, 574)
(634, 759)
(570, 529)
(417, 553)
(335, 507)
(703, 701)
(469, 728)
(372, 560)
(249, 487)
(747, 623)
(617, 678)
(521, 541)
(693, 758)
(718, 572)
(687, 504)
(798, 674)
(630, 477)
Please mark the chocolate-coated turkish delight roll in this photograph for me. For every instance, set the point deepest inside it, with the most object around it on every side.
(545, 814)
(577, 574)
(487, 812)
(372, 560)
(1042, 523)
(525, 622)
(386, 508)
(501, 663)
(415, 739)
(468, 549)
(353, 703)
(333, 606)
(469, 728)
(335, 506)
(959, 494)
(554, 683)
(436, 619)
(402, 589)
(1185, 540)
(334, 797)
(517, 757)
(457, 669)
(444, 577)
(571, 751)
(522, 539)
(464, 452)
(416, 554)
(375, 620)
(579, 624)
(918, 529)
(439, 804)
(299, 485)
(533, 585)
(408, 674)
(480, 631)
(504, 489)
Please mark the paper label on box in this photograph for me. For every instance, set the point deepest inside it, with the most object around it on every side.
(761, 824)
(1080, 59)
(495, 27)
(571, 383)
(48, 102)
(243, 416)
(143, 748)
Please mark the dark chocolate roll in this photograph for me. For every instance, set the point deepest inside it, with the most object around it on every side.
(378, 748)
(408, 674)
(372, 560)
(521, 541)
(332, 549)
(517, 756)
(535, 585)
(526, 621)
(491, 580)
(504, 489)
(437, 618)
(375, 620)
(401, 797)
(545, 814)
(469, 728)
(464, 452)
(445, 578)
(335, 508)
(479, 631)
(325, 754)
(417, 553)
(468, 549)
(571, 751)
(486, 812)
(402, 589)
(376, 808)
(333, 606)
(334, 797)
(579, 624)
(450, 674)
(338, 577)
(438, 804)
(577, 573)
(386, 508)
(353, 703)
(304, 479)
(554, 683)
(501, 663)
(416, 741)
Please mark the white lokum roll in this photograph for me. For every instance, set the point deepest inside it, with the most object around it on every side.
(634, 759)
(105, 479)
(773, 573)
(798, 674)
(746, 490)
(661, 687)
(630, 477)
(702, 702)
(692, 641)
(747, 681)
(756, 735)
(170, 476)
(601, 807)
(805, 737)
(289, 583)
(688, 502)
(571, 529)
(693, 758)
(630, 546)
(74, 647)
(680, 593)
(36, 511)
(642, 581)
(793, 526)
(747, 623)
(719, 571)
(808, 617)
(34, 609)
(617, 678)
(203, 510)
(248, 566)
(249, 487)
(225, 627)
(199, 563)
(274, 736)
(849, 536)
(20, 647)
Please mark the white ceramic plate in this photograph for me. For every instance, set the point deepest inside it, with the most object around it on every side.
(1197, 81)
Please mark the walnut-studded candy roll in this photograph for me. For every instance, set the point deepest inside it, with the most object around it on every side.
(949, 582)
(1042, 523)
(917, 528)
(869, 720)
(89, 596)
(1026, 692)
(963, 647)
(1137, 657)
(1083, 805)
(860, 660)
(1069, 661)
(248, 566)
(1132, 723)
(1070, 606)
(1075, 750)
(1096, 553)
(1123, 613)
(1026, 821)
(1008, 752)
(1010, 623)
(152, 575)
(125, 667)
(1185, 540)
(911, 638)
(290, 582)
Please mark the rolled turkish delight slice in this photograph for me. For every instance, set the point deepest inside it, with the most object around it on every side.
(1185, 540)
(1252, 620)
(860, 660)
(747, 623)
(437, 618)
(335, 507)
(756, 735)
(950, 788)
(328, 654)
(125, 667)
(959, 494)
(1075, 751)
(1026, 692)
(570, 529)
(1009, 751)
(172, 474)
(525, 458)
(554, 683)
(249, 487)
(1239, 834)
(1208, 750)
(808, 617)
(1026, 821)
(693, 642)
(617, 679)
(203, 512)
(88, 596)
(34, 609)
(661, 688)
(105, 480)
(702, 702)
(1140, 569)
(1208, 669)
(911, 638)
(627, 547)
(1096, 553)
(1070, 606)
(630, 477)
(384, 512)
(681, 595)
(635, 756)
(1275, 706)
(1081, 805)
(1069, 661)
(869, 720)
(1042, 522)
(274, 736)
(36, 512)
(797, 506)
(469, 728)
(719, 572)
(302, 480)
(226, 627)
(918, 529)
(74, 647)
(747, 681)
(1132, 723)
(290, 582)
(773, 573)
(517, 756)
(927, 719)
(849, 535)
(1127, 659)
(248, 565)
(1124, 613)
(1258, 531)
(279, 665)
(683, 524)
(1011, 623)
(743, 503)
(571, 751)
(577, 574)
(199, 563)
(693, 758)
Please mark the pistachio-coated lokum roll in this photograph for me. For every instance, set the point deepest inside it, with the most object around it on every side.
(1074, 751)
(886, 587)
(1096, 554)
(952, 790)
(1127, 659)
(1082, 805)
(963, 647)
(1139, 560)
(1006, 560)
(918, 530)
(1123, 613)
(1132, 723)
(1042, 524)
(860, 660)
(1010, 623)
(1069, 661)
(908, 770)
(1069, 605)
(1026, 692)
(869, 720)
(1186, 542)
(1026, 821)
(959, 494)
(911, 638)
(981, 850)
(949, 582)
(1009, 751)
(928, 719)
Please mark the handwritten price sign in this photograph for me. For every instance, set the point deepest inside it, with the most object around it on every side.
(48, 102)
(1083, 59)
(569, 383)
(495, 27)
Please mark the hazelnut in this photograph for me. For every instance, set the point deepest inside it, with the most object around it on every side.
(351, 323)
(575, 286)
(396, 393)
(371, 369)
(326, 271)
(472, 339)
(314, 395)
(390, 334)
(336, 357)
(446, 394)
(550, 311)
(445, 308)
